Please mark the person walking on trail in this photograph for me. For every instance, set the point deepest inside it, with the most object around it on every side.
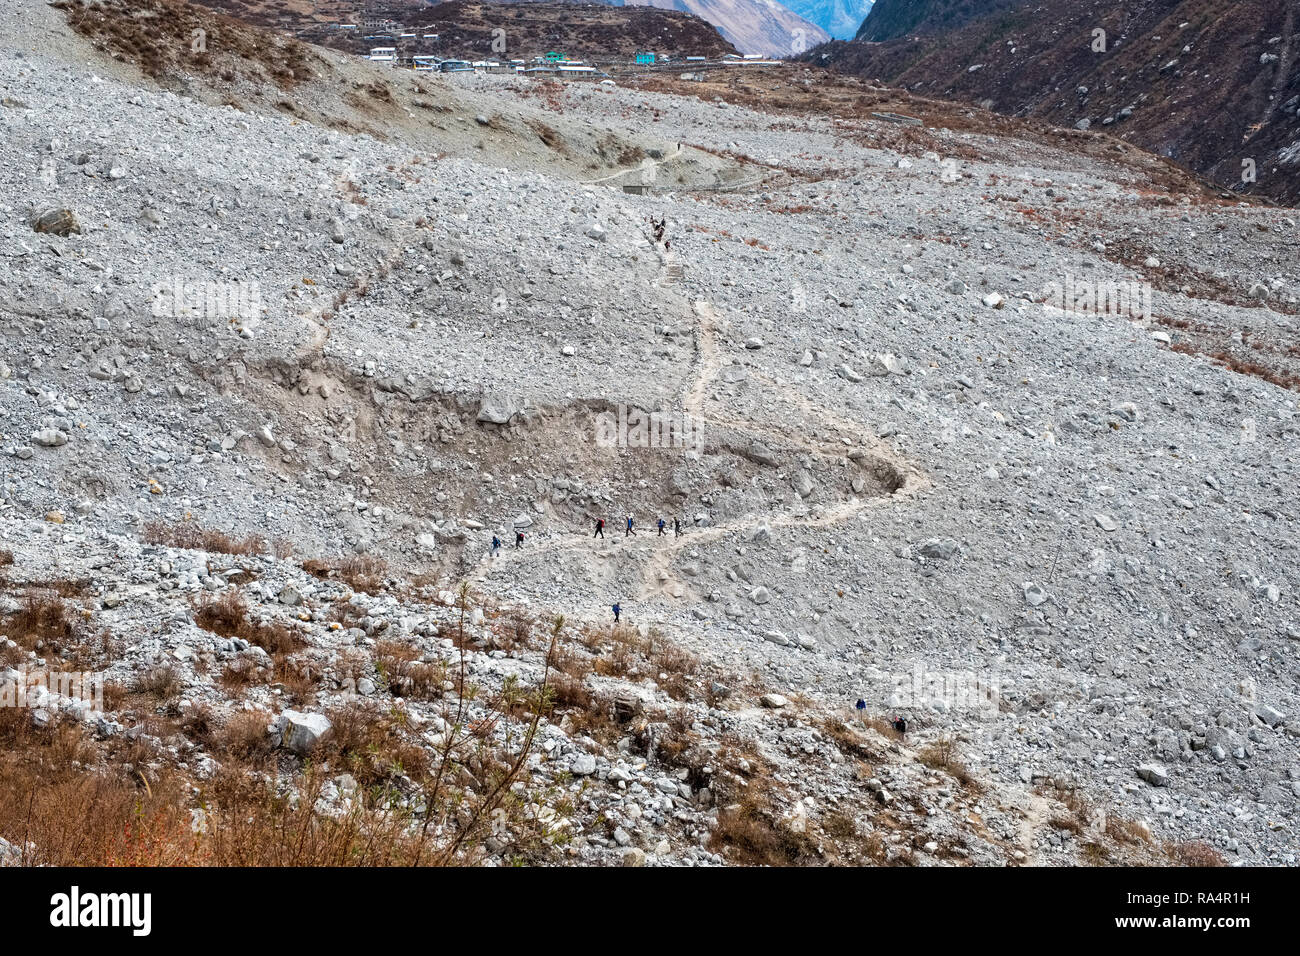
(630, 530)
(616, 609)
(861, 705)
(496, 545)
(600, 528)
(662, 524)
(677, 528)
(900, 725)
(519, 539)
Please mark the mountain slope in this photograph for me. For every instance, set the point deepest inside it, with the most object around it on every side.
(840, 18)
(469, 28)
(890, 19)
(753, 26)
(1215, 87)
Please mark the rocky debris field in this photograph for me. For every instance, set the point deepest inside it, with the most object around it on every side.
(269, 387)
(215, 660)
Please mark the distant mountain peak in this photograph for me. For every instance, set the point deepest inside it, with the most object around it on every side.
(752, 26)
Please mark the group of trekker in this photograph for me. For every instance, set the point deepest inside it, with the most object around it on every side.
(496, 542)
(630, 528)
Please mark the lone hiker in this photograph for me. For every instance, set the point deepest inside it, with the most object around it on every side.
(496, 545)
(616, 609)
(662, 523)
(519, 539)
(630, 530)
(861, 705)
(600, 528)
(677, 528)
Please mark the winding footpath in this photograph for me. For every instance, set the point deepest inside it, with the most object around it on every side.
(657, 579)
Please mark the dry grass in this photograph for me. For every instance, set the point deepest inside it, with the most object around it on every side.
(623, 653)
(569, 692)
(227, 616)
(515, 631)
(115, 696)
(296, 679)
(1195, 854)
(1068, 824)
(188, 535)
(839, 825)
(359, 572)
(372, 744)
(750, 832)
(43, 622)
(400, 669)
(1126, 831)
(163, 682)
(59, 812)
(198, 723)
(244, 736)
(942, 754)
(239, 675)
(847, 740)
(881, 726)
(68, 796)
(156, 35)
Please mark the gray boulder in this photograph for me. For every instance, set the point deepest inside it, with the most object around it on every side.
(499, 409)
(1154, 774)
(300, 732)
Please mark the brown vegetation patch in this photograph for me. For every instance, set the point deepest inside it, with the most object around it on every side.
(227, 616)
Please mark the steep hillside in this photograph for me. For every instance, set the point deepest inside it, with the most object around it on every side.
(1213, 86)
(840, 18)
(986, 424)
(466, 28)
(754, 26)
(890, 19)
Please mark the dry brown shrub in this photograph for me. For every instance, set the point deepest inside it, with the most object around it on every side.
(185, 534)
(227, 616)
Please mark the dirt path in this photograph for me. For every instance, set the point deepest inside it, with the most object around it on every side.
(657, 578)
(650, 164)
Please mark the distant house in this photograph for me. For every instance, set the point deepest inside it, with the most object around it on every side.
(381, 23)
(645, 58)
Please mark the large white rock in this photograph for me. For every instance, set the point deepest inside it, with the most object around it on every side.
(301, 732)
